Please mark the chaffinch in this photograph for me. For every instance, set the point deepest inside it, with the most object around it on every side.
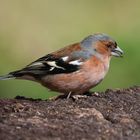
(75, 68)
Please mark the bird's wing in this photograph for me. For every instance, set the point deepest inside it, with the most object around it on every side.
(67, 60)
(50, 64)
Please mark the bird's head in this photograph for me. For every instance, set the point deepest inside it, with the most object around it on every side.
(102, 45)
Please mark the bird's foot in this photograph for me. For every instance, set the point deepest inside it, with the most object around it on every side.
(68, 96)
(95, 94)
(83, 96)
(77, 97)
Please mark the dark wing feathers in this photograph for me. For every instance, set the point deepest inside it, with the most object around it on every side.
(48, 64)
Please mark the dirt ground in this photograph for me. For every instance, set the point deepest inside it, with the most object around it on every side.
(113, 115)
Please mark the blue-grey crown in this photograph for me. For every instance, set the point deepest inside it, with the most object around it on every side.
(90, 40)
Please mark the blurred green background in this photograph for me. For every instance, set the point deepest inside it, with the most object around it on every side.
(30, 29)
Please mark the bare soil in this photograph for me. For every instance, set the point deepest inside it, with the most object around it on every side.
(113, 115)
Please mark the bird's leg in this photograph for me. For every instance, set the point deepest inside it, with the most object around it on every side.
(75, 97)
(69, 95)
(64, 96)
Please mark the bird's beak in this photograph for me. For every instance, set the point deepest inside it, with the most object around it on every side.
(117, 52)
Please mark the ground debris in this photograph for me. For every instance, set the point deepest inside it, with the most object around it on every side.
(113, 115)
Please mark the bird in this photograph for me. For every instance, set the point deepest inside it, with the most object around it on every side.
(74, 69)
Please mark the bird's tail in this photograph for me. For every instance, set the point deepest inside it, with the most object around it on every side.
(7, 77)
(15, 75)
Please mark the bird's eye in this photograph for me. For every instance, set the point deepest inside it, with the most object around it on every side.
(112, 45)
